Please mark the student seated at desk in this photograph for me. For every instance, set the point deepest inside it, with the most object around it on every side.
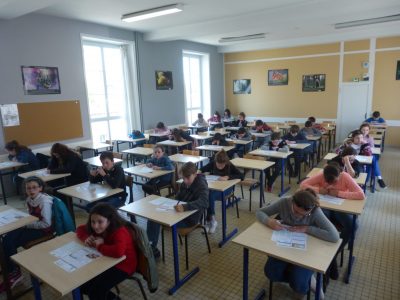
(365, 128)
(241, 135)
(310, 130)
(159, 161)
(200, 122)
(193, 191)
(22, 154)
(332, 181)
(315, 125)
(261, 127)
(275, 144)
(160, 129)
(228, 119)
(179, 135)
(65, 160)
(376, 118)
(39, 205)
(111, 174)
(348, 163)
(299, 213)
(219, 140)
(112, 236)
(137, 134)
(216, 117)
(295, 136)
(222, 167)
(241, 121)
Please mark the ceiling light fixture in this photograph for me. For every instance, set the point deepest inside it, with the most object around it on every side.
(152, 13)
(368, 21)
(242, 38)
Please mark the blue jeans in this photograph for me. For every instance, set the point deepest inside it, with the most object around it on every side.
(214, 196)
(280, 271)
(343, 221)
(17, 238)
(153, 230)
(375, 165)
(276, 170)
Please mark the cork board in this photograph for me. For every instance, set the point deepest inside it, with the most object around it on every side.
(46, 122)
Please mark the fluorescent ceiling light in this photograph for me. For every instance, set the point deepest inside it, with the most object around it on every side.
(152, 13)
(367, 21)
(242, 38)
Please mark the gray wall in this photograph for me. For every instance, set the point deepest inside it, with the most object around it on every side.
(169, 106)
(50, 41)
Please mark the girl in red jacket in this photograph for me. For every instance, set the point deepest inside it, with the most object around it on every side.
(111, 236)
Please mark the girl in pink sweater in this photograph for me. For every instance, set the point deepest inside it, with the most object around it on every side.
(336, 183)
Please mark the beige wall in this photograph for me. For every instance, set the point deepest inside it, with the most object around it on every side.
(289, 101)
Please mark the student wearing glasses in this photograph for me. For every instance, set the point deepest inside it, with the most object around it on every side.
(299, 213)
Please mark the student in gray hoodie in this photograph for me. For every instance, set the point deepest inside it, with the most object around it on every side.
(299, 213)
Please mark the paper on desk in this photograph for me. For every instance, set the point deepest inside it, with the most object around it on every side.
(290, 239)
(363, 159)
(73, 256)
(145, 169)
(42, 173)
(164, 204)
(212, 178)
(6, 163)
(11, 215)
(331, 199)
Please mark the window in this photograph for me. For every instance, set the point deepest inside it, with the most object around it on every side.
(107, 89)
(197, 85)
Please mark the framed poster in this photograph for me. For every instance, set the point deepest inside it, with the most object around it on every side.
(278, 77)
(164, 80)
(398, 70)
(40, 80)
(314, 83)
(241, 86)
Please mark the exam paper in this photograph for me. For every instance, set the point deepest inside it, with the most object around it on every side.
(330, 199)
(290, 239)
(73, 256)
(164, 204)
(145, 170)
(11, 215)
(212, 178)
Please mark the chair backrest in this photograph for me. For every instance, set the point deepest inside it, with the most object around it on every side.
(256, 157)
(231, 143)
(191, 152)
(129, 184)
(203, 133)
(148, 145)
(117, 155)
(63, 221)
(43, 160)
(146, 263)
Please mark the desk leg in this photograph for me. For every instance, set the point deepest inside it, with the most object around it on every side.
(351, 246)
(4, 270)
(318, 287)
(245, 273)
(36, 288)
(178, 282)
(372, 174)
(262, 196)
(319, 150)
(283, 191)
(2, 188)
(330, 139)
(76, 294)
(225, 237)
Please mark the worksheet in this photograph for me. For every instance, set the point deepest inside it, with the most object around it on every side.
(11, 215)
(73, 256)
(165, 204)
(331, 199)
(145, 169)
(212, 178)
(290, 239)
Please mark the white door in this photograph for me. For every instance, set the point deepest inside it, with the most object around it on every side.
(353, 108)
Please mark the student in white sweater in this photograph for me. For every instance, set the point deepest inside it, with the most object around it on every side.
(39, 205)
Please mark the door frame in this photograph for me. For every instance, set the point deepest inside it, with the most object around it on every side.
(340, 102)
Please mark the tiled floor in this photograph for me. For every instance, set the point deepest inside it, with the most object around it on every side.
(376, 273)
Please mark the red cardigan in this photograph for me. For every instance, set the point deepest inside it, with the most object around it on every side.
(116, 244)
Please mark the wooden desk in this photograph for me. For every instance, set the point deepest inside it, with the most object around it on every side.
(138, 171)
(4, 229)
(361, 179)
(42, 174)
(178, 145)
(260, 134)
(283, 156)
(138, 151)
(222, 132)
(316, 139)
(193, 128)
(214, 148)
(222, 186)
(201, 138)
(241, 143)
(317, 257)
(169, 218)
(184, 158)
(129, 140)
(232, 128)
(95, 147)
(355, 208)
(299, 146)
(376, 151)
(258, 165)
(89, 192)
(96, 162)
(43, 267)
(330, 156)
(6, 165)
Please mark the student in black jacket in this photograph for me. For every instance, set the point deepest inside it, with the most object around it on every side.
(222, 167)
(111, 174)
(194, 193)
(64, 160)
(241, 121)
(347, 161)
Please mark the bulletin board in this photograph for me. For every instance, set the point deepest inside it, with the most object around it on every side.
(46, 122)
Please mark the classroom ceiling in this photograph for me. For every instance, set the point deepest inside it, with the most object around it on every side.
(285, 22)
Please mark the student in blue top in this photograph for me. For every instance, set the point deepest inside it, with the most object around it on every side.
(159, 161)
(242, 135)
(376, 118)
(295, 136)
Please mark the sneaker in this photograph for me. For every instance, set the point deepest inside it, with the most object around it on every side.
(213, 227)
(382, 184)
(333, 270)
(313, 286)
(207, 225)
(14, 279)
